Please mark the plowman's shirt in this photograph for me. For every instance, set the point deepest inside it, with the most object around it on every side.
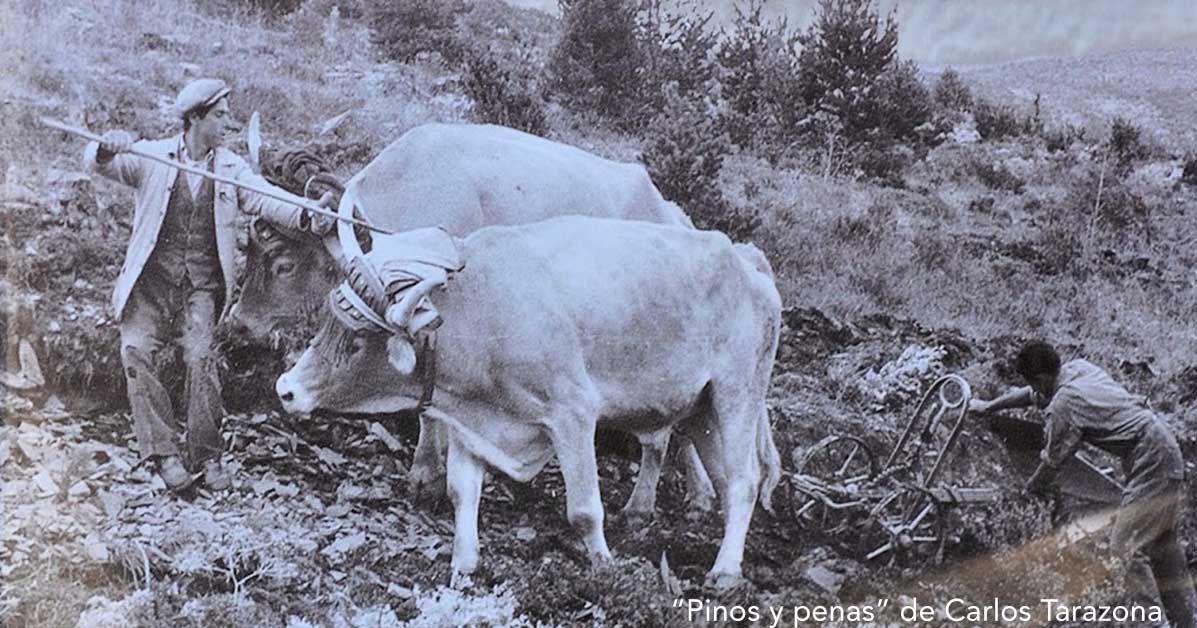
(1090, 407)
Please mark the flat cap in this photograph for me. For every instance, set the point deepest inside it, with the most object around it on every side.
(200, 93)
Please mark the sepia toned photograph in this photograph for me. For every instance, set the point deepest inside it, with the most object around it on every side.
(613, 313)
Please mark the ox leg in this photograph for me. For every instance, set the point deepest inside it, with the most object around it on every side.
(728, 450)
(700, 493)
(643, 499)
(426, 479)
(573, 442)
(465, 490)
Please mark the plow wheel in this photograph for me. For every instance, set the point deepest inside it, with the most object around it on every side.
(907, 526)
(833, 470)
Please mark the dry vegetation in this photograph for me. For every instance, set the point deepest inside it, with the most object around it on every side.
(979, 220)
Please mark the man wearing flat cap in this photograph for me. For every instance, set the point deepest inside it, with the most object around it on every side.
(179, 274)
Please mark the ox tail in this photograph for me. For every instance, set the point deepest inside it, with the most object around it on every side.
(770, 460)
(479, 446)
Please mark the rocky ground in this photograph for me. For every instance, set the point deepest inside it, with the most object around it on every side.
(320, 529)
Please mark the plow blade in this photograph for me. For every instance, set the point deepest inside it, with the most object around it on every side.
(1076, 478)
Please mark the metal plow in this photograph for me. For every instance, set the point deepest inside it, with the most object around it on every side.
(895, 509)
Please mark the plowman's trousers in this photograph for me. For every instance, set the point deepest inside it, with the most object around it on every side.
(157, 315)
(1148, 524)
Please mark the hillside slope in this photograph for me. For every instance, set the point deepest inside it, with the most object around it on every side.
(1151, 88)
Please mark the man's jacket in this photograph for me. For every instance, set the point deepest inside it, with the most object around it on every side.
(154, 182)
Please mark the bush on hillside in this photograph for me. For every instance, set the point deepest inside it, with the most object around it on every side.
(951, 93)
(995, 122)
(679, 47)
(402, 29)
(1188, 175)
(844, 54)
(684, 154)
(270, 8)
(1105, 201)
(1060, 138)
(884, 164)
(501, 97)
(759, 80)
(996, 176)
(1126, 143)
(598, 64)
(903, 103)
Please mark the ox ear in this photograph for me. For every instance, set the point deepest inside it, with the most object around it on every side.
(401, 354)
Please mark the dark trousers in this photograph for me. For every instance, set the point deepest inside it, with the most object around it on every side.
(1147, 524)
(158, 315)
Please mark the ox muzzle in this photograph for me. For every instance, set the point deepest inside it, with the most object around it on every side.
(295, 397)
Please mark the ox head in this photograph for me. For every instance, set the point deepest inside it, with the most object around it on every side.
(359, 361)
(286, 278)
(287, 275)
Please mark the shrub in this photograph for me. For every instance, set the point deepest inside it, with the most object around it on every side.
(1126, 143)
(951, 93)
(269, 8)
(1060, 138)
(679, 48)
(759, 80)
(402, 29)
(997, 177)
(1188, 176)
(903, 103)
(597, 65)
(995, 122)
(684, 155)
(844, 54)
(884, 164)
(501, 98)
(1103, 200)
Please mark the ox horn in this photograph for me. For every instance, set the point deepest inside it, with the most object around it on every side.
(345, 247)
(401, 314)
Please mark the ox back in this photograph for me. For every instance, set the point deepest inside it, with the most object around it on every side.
(458, 176)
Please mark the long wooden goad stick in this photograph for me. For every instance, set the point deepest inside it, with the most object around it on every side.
(306, 205)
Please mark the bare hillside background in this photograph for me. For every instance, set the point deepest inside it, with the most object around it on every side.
(921, 219)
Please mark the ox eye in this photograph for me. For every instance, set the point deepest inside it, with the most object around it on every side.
(356, 344)
(283, 268)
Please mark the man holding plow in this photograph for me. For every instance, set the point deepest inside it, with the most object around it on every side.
(1085, 405)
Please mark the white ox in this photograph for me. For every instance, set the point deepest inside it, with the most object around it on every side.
(463, 177)
(557, 327)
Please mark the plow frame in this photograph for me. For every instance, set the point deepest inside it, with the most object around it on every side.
(896, 508)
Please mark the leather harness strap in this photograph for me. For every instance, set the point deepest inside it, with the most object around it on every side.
(426, 367)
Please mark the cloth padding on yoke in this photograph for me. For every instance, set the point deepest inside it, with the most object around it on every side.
(388, 288)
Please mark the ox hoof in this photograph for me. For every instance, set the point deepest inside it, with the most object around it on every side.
(599, 560)
(462, 571)
(460, 581)
(724, 581)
